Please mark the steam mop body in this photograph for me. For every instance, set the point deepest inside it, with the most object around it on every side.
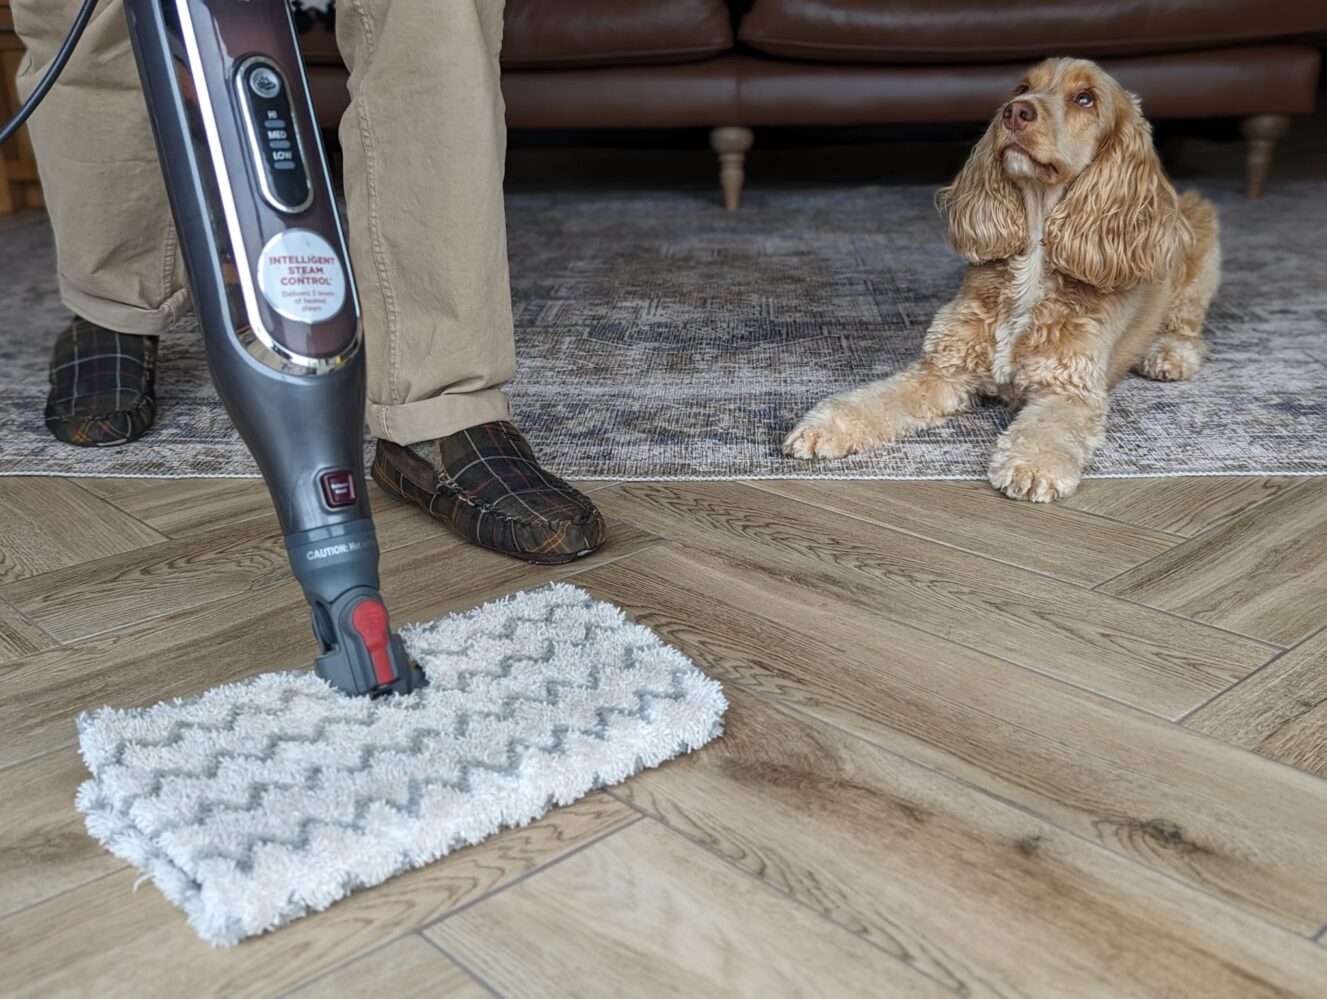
(274, 294)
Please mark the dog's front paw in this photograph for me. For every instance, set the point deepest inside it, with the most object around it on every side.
(831, 430)
(1034, 474)
(1171, 359)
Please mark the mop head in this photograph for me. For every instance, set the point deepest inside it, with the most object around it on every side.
(261, 801)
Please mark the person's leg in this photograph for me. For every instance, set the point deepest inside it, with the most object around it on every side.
(423, 145)
(119, 269)
(114, 235)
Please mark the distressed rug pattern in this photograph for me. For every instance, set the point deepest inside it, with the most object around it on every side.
(662, 338)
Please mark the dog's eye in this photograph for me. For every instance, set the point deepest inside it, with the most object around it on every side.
(1084, 99)
(1022, 88)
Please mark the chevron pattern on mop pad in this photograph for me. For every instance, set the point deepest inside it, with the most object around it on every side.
(259, 802)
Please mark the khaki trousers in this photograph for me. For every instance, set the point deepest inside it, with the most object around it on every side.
(423, 145)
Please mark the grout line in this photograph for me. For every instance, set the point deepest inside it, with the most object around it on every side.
(79, 484)
(1184, 718)
(1321, 936)
(1114, 521)
(1123, 523)
(1045, 576)
(531, 872)
(479, 979)
(1097, 587)
(1300, 483)
(29, 621)
(776, 889)
(1274, 646)
(299, 986)
(296, 989)
(1209, 529)
(756, 484)
(72, 888)
(1095, 844)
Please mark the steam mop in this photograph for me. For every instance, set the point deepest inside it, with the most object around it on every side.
(257, 802)
(273, 290)
(274, 294)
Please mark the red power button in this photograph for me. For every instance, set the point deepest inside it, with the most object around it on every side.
(339, 487)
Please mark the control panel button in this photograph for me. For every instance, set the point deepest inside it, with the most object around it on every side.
(264, 82)
(339, 488)
(273, 136)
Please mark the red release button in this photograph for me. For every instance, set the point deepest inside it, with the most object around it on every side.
(369, 619)
(339, 487)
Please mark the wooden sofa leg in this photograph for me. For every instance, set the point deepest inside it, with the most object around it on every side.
(1261, 131)
(731, 142)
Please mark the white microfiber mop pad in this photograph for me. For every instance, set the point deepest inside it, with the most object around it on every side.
(261, 801)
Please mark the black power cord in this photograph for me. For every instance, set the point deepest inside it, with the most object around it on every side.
(48, 81)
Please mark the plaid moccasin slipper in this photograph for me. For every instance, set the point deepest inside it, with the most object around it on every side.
(486, 484)
(102, 385)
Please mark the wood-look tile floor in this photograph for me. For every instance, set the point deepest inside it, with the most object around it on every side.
(974, 746)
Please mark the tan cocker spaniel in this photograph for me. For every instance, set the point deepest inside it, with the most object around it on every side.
(1084, 264)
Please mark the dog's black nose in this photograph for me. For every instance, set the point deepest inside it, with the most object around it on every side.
(1018, 115)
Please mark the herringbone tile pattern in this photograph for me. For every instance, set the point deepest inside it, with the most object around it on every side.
(974, 746)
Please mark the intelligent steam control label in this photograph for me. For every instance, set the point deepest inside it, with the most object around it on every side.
(302, 276)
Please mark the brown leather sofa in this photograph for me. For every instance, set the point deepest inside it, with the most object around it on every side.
(736, 65)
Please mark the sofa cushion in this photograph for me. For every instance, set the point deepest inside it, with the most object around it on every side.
(579, 34)
(965, 31)
(555, 34)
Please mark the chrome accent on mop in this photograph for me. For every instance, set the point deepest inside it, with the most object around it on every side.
(271, 353)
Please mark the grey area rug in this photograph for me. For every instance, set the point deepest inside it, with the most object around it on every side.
(662, 338)
(258, 802)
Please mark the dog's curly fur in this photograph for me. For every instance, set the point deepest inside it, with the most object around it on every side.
(1085, 264)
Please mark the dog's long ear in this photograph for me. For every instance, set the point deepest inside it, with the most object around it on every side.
(1117, 224)
(987, 220)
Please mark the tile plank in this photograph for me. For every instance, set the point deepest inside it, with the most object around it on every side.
(84, 600)
(51, 523)
(1147, 659)
(1049, 538)
(645, 912)
(976, 893)
(135, 943)
(1182, 505)
(1263, 574)
(44, 847)
(1218, 818)
(1279, 712)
